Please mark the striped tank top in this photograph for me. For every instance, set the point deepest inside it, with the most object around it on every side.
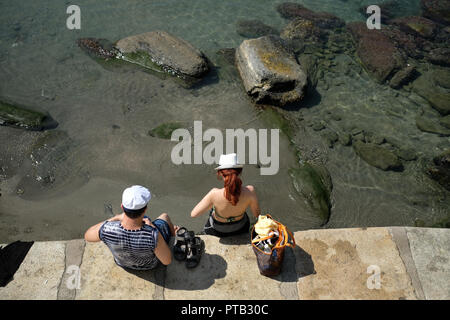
(132, 249)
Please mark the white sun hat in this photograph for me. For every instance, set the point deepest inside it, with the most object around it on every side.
(135, 197)
(229, 161)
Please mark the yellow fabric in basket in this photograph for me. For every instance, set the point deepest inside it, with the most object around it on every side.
(265, 225)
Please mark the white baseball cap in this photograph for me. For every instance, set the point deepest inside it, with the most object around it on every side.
(228, 161)
(135, 197)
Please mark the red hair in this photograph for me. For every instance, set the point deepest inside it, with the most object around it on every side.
(232, 184)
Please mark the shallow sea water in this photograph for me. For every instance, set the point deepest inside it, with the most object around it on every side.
(105, 116)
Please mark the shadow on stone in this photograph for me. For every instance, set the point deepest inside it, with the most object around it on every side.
(177, 277)
(297, 264)
(241, 239)
(304, 264)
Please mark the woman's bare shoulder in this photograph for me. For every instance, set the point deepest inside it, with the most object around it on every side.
(215, 191)
(250, 189)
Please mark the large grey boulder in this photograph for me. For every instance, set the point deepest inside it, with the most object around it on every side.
(270, 72)
(160, 49)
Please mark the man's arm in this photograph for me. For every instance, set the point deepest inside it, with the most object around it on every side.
(162, 251)
(92, 234)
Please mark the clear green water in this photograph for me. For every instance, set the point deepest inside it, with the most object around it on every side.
(106, 116)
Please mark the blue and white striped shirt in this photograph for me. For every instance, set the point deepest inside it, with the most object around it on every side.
(132, 249)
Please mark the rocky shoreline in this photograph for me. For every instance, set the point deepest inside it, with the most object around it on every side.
(286, 70)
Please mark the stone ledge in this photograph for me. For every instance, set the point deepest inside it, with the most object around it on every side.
(326, 264)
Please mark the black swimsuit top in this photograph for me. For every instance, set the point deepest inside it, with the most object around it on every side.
(229, 219)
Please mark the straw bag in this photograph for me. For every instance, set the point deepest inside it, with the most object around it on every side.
(269, 263)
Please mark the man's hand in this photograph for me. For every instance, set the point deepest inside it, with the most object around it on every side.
(148, 222)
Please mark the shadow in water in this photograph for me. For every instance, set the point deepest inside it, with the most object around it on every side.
(311, 99)
(211, 77)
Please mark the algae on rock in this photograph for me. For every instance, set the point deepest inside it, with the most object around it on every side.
(164, 131)
(22, 117)
(313, 183)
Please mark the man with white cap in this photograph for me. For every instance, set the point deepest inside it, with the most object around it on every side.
(135, 242)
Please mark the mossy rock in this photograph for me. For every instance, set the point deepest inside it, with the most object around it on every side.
(164, 131)
(160, 49)
(276, 120)
(22, 117)
(313, 183)
(142, 59)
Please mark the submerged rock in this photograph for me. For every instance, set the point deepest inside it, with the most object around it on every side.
(437, 10)
(407, 43)
(326, 20)
(303, 30)
(164, 131)
(164, 51)
(407, 154)
(313, 183)
(441, 77)
(430, 126)
(418, 26)
(330, 137)
(100, 48)
(270, 72)
(445, 121)
(389, 10)
(427, 86)
(377, 156)
(345, 139)
(439, 56)
(402, 77)
(378, 53)
(254, 29)
(441, 171)
(22, 117)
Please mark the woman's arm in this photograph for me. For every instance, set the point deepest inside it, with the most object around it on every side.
(204, 205)
(254, 204)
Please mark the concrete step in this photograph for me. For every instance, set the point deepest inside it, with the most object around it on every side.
(372, 263)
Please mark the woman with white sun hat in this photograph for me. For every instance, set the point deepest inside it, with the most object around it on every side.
(227, 206)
